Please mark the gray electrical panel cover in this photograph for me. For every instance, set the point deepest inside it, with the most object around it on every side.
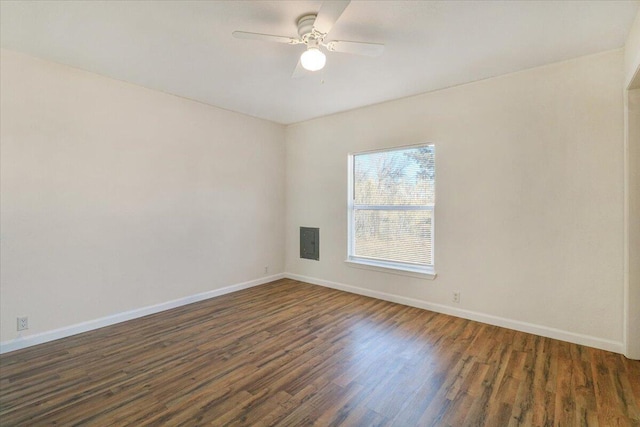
(310, 243)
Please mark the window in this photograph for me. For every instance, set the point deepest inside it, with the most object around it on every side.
(391, 205)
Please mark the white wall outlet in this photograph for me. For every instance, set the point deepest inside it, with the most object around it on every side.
(456, 297)
(23, 323)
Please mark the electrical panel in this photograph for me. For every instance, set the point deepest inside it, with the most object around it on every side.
(310, 243)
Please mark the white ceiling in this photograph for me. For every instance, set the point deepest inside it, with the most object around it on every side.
(186, 48)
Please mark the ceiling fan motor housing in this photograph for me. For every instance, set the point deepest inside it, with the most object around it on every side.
(305, 27)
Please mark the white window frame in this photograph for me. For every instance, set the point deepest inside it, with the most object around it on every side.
(388, 266)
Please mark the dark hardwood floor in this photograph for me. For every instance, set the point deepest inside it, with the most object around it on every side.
(289, 353)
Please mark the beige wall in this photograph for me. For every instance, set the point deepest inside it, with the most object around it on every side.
(632, 56)
(529, 214)
(633, 190)
(115, 197)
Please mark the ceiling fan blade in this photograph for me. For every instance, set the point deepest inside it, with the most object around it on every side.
(265, 37)
(357, 48)
(299, 71)
(329, 13)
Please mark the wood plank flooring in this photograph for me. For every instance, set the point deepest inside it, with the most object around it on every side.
(290, 354)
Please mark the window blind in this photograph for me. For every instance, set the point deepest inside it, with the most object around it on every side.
(394, 196)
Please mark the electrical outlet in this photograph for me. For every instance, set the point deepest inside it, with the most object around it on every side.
(266, 270)
(23, 323)
(456, 297)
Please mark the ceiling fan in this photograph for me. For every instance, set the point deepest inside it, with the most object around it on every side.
(312, 32)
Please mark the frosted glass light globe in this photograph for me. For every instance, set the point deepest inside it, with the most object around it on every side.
(313, 59)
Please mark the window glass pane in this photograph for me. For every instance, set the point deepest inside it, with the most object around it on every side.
(401, 236)
(398, 177)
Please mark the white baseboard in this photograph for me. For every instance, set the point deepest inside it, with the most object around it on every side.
(30, 340)
(517, 325)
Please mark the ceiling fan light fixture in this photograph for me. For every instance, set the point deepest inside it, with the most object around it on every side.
(313, 59)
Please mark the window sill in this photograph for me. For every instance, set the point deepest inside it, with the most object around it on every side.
(422, 273)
